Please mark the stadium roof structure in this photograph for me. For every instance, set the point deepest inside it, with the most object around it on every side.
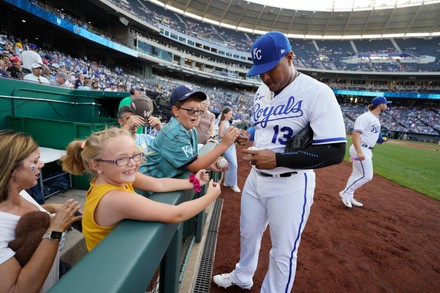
(353, 20)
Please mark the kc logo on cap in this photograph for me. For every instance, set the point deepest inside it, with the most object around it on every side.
(257, 54)
(267, 51)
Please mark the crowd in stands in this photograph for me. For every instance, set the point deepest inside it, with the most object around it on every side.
(324, 55)
(77, 73)
(407, 119)
(82, 74)
(310, 54)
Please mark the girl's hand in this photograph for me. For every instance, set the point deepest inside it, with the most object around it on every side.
(202, 176)
(214, 187)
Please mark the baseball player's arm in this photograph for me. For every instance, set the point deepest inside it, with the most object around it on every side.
(356, 140)
(315, 157)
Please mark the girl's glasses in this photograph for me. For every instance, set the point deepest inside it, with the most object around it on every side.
(121, 162)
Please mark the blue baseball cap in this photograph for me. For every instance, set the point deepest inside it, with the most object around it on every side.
(379, 100)
(182, 93)
(267, 51)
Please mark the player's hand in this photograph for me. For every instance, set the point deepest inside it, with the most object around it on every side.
(230, 135)
(214, 187)
(360, 156)
(202, 176)
(154, 122)
(262, 159)
(243, 139)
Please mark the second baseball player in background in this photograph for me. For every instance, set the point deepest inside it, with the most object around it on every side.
(279, 189)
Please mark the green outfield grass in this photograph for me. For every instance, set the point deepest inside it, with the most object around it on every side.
(410, 165)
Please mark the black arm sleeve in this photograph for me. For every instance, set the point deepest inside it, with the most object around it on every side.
(315, 157)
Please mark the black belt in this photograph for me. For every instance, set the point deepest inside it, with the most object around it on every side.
(288, 174)
(367, 146)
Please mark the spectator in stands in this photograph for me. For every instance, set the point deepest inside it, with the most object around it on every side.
(231, 153)
(206, 127)
(175, 149)
(47, 72)
(6, 57)
(87, 84)
(113, 159)
(127, 120)
(16, 70)
(79, 80)
(61, 80)
(134, 93)
(36, 76)
(63, 68)
(3, 68)
(18, 48)
(30, 57)
(111, 87)
(19, 170)
(54, 68)
(95, 85)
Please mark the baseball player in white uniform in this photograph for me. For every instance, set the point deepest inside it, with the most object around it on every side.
(279, 189)
(365, 134)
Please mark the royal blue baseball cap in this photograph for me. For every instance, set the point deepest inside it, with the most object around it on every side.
(379, 100)
(267, 51)
(182, 93)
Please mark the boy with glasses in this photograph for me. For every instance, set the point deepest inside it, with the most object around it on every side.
(175, 148)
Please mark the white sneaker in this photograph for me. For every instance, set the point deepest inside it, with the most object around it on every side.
(346, 199)
(233, 187)
(356, 203)
(225, 281)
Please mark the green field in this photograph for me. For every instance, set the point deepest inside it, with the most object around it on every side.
(413, 165)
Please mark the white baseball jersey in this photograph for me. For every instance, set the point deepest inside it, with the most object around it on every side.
(304, 101)
(283, 202)
(369, 126)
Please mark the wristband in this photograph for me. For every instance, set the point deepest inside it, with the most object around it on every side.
(193, 179)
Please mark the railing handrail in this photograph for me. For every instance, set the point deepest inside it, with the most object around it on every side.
(127, 258)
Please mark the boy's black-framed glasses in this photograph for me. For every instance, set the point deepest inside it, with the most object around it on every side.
(192, 111)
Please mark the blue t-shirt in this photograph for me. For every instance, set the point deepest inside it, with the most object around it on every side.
(173, 149)
(143, 141)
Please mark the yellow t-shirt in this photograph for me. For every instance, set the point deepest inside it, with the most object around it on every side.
(94, 233)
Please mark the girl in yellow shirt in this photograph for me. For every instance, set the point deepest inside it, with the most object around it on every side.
(113, 159)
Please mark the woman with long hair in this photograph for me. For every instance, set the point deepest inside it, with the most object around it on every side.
(20, 166)
(230, 154)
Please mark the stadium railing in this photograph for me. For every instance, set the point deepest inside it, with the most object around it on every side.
(127, 258)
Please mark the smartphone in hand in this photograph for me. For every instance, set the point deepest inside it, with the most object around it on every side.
(78, 224)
